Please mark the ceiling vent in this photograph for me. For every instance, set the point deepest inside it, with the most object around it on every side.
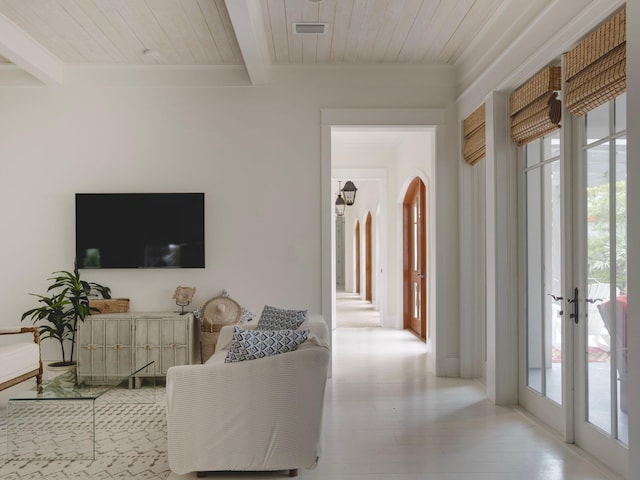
(310, 28)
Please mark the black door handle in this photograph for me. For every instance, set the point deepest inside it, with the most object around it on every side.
(557, 299)
(574, 301)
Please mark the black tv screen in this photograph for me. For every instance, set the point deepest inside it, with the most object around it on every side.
(140, 230)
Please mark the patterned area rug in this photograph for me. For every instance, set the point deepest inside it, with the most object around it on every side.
(596, 355)
(131, 439)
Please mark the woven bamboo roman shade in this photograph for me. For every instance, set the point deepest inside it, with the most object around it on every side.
(534, 107)
(595, 70)
(474, 139)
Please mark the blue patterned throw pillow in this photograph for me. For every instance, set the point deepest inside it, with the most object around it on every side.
(253, 344)
(273, 318)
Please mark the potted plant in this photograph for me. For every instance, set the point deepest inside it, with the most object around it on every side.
(60, 312)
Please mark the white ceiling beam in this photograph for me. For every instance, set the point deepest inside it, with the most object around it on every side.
(246, 18)
(26, 53)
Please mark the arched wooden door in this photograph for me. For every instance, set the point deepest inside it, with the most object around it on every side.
(414, 259)
(367, 258)
(357, 247)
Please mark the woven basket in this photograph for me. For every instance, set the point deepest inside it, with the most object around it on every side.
(208, 342)
(111, 305)
(209, 334)
(216, 313)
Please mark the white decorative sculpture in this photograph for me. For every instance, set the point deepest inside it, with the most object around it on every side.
(183, 296)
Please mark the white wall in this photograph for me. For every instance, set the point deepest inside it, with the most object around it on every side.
(255, 152)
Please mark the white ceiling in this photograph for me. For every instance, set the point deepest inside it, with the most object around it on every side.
(44, 36)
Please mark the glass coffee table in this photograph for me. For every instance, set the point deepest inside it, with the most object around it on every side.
(59, 421)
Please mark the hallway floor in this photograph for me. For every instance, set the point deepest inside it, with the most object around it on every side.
(389, 418)
(353, 312)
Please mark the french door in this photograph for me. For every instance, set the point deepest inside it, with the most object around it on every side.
(574, 271)
(415, 265)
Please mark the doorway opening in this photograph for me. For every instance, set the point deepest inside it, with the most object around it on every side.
(381, 161)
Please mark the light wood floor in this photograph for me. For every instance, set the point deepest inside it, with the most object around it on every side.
(353, 312)
(389, 418)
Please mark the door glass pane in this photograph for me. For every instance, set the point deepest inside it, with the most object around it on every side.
(552, 281)
(598, 230)
(543, 254)
(551, 145)
(534, 276)
(533, 153)
(414, 226)
(621, 113)
(597, 124)
(620, 346)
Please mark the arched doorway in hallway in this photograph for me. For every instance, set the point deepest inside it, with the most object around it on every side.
(415, 259)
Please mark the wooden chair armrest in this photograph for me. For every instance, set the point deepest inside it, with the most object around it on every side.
(18, 330)
(36, 340)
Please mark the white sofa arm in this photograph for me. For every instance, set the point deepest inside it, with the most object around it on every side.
(257, 415)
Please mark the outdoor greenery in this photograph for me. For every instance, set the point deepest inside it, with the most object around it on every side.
(599, 245)
(60, 311)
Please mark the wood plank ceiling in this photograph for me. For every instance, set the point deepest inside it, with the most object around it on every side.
(201, 32)
(374, 31)
(172, 32)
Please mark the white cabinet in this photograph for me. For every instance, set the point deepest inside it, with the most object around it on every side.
(113, 344)
(164, 340)
(105, 346)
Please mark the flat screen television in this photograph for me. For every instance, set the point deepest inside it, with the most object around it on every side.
(140, 230)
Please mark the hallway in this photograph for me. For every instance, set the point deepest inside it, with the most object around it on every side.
(353, 312)
(388, 417)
